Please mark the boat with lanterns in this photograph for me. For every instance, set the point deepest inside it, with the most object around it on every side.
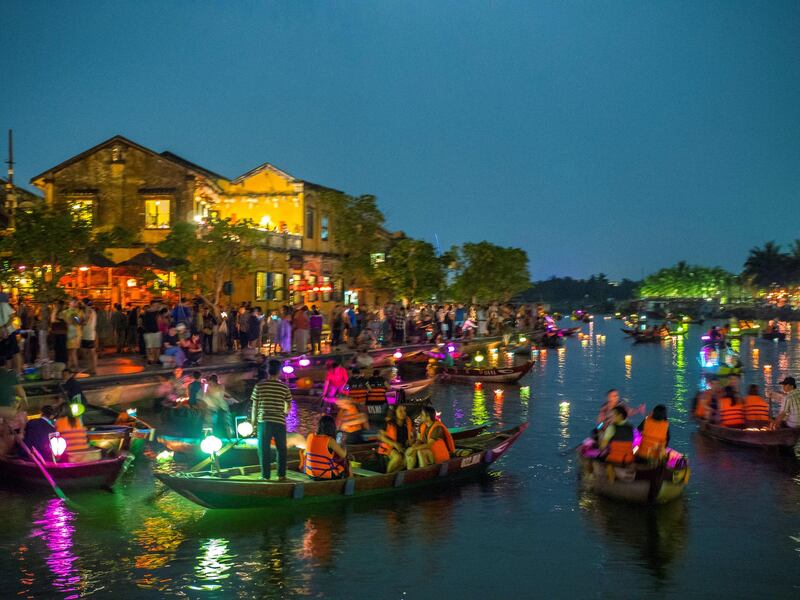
(722, 361)
(242, 487)
(100, 473)
(635, 483)
(467, 374)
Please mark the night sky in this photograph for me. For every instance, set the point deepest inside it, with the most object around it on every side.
(598, 136)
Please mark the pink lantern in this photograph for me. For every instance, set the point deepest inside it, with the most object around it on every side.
(397, 355)
(58, 445)
(304, 362)
(288, 369)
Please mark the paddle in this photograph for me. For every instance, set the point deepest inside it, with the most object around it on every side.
(37, 458)
(206, 461)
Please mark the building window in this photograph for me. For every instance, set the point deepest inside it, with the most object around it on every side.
(326, 288)
(310, 223)
(82, 209)
(377, 258)
(156, 213)
(270, 286)
(323, 228)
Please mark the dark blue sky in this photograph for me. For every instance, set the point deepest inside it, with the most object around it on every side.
(599, 136)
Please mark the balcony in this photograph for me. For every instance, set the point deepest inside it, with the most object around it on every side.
(282, 241)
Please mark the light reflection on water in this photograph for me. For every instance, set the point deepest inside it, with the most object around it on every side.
(527, 523)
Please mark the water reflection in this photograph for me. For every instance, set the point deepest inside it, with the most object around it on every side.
(54, 524)
(657, 535)
(479, 413)
(213, 564)
(680, 388)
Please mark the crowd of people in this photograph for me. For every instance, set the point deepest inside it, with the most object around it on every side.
(724, 405)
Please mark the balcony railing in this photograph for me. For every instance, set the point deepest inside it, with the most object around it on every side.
(282, 241)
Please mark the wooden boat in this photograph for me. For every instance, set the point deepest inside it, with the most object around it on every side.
(490, 375)
(243, 488)
(637, 484)
(116, 438)
(569, 331)
(786, 437)
(95, 474)
(630, 332)
(649, 338)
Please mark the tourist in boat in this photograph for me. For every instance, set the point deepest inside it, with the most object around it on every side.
(434, 444)
(218, 411)
(73, 431)
(335, 379)
(606, 416)
(396, 437)
(756, 409)
(351, 420)
(730, 412)
(271, 399)
(617, 438)
(357, 386)
(37, 432)
(377, 388)
(323, 458)
(655, 435)
(195, 390)
(790, 410)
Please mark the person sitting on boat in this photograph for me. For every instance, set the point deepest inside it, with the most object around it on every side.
(72, 430)
(37, 432)
(323, 458)
(195, 390)
(730, 411)
(606, 415)
(377, 388)
(351, 420)
(395, 438)
(434, 444)
(335, 379)
(617, 438)
(357, 386)
(756, 409)
(790, 410)
(655, 435)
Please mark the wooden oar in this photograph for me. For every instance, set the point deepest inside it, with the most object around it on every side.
(37, 458)
(207, 461)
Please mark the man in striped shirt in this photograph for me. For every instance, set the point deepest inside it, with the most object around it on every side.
(790, 412)
(271, 399)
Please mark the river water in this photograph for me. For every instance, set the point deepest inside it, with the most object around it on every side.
(524, 530)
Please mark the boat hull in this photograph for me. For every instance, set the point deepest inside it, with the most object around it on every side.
(670, 485)
(498, 375)
(96, 474)
(780, 438)
(228, 493)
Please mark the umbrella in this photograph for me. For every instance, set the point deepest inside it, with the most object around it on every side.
(151, 260)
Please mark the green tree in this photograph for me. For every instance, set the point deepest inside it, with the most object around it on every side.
(687, 281)
(768, 266)
(412, 271)
(355, 222)
(484, 272)
(48, 242)
(210, 253)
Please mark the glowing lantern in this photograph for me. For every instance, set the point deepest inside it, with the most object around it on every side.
(478, 386)
(304, 362)
(628, 359)
(451, 348)
(131, 412)
(245, 429)
(57, 444)
(131, 282)
(478, 358)
(76, 409)
(164, 456)
(397, 355)
(523, 339)
(498, 393)
(288, 369)
(211, 444)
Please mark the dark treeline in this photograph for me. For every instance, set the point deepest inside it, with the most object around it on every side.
(596, 290)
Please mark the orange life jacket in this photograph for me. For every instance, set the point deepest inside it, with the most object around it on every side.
(444, 446)
(730, 414)
(350, 418)
(358, 394)
(75, 436)
(318, 461)
(620, 448)
(654, 438)
(376, 395)
(391, 432)
(701, 408)
(756, 411)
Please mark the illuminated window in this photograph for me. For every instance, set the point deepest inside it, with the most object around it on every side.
(310, 223)
(156, 213)
(326, 288)
(270, 286)
(323, 228)
(377, 258)
(82, 209)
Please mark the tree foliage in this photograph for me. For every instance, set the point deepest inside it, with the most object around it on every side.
(412, 271)
(597, 289)
(211, 253)
(770, 266)
(48, 242)
(687, 281)
(484, 271)
(354, 225)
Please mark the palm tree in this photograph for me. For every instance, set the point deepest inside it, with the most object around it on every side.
(767, 266)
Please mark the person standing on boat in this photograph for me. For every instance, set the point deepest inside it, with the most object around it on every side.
(271, 399)
(218, 414)
(790, 411)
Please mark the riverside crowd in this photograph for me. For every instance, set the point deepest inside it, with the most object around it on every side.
(73, 331)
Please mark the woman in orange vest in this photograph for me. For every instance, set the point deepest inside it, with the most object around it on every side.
(323, 458)
(756, 409)
(72, 430)
(351, 421)
(655, 435)
(434, 445)
(618, 438)
(731, 410)
(395, 439)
